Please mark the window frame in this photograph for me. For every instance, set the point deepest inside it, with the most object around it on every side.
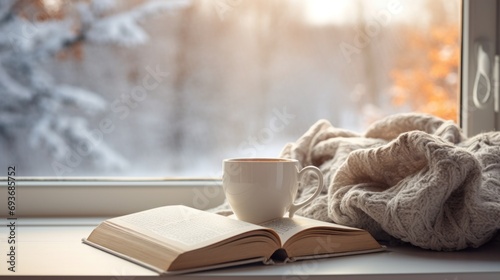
(477, 17)
(107, 197)
(84, 197)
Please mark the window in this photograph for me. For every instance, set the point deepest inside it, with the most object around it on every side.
(110, 90)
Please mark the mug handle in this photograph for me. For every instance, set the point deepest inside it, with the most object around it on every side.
(294, 207)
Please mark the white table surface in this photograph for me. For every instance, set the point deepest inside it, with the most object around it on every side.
(52, 247)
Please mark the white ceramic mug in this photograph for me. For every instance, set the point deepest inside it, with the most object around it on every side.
(262, 189)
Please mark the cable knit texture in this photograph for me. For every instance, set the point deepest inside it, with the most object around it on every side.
(415, 177)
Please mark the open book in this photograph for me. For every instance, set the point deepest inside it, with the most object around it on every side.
(175, 239)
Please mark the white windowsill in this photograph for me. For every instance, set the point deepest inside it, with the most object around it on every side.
(52, 247)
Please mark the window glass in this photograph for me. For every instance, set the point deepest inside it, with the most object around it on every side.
(170, 88)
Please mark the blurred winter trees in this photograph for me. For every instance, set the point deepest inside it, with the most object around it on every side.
(36, 109)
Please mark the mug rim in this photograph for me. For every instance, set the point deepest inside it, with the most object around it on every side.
(261, 159)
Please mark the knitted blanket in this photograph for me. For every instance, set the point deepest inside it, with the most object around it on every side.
(415, 177)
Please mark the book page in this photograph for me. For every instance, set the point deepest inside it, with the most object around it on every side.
(184, 225)
(288, 227)
(284, 227)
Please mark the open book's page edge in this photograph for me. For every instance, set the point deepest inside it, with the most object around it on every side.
(331, 255)
(120, 255)
(164, 272)
(217, 266)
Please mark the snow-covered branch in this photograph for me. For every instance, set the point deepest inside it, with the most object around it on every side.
(124, 28)
(31, 98)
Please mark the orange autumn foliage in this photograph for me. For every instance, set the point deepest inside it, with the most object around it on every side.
(425, 77)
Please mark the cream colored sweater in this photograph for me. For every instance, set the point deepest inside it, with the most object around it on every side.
(415, 177)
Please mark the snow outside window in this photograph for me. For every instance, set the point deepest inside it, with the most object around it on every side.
(171, 88)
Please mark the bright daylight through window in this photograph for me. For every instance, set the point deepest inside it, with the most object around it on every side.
(171, 88)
